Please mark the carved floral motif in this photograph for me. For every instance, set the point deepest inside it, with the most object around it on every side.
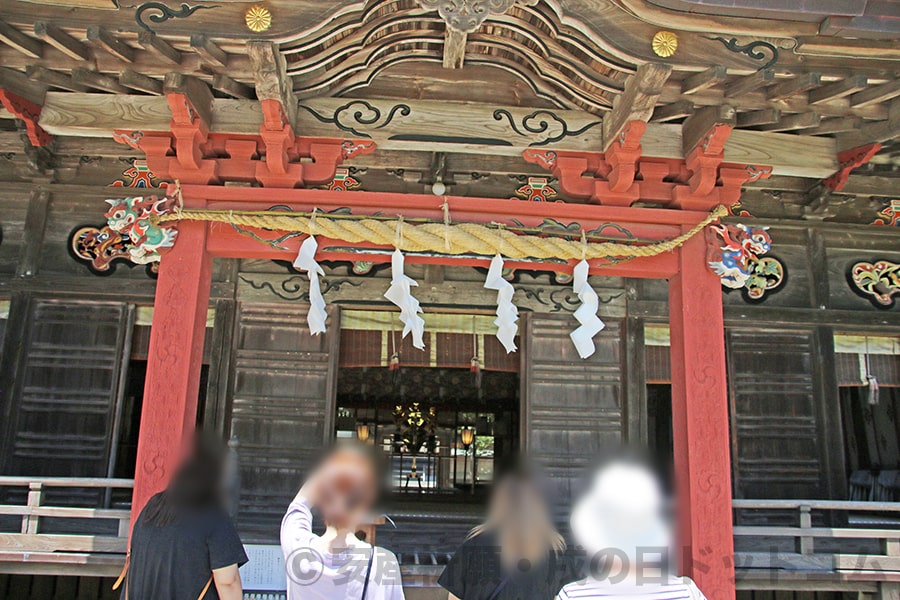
(890, 215)
(878, 282)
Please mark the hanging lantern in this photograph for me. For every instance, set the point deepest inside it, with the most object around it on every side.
(467, 436)
(362, 432)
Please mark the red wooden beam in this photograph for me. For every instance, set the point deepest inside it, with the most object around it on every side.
(700, 423)
(169, 411)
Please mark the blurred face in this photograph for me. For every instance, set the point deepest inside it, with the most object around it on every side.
(348, 489)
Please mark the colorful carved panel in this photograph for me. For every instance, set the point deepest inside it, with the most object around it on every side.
(343, 181)
(890, 215)
(878, 282)
(101, 249)
(138, 175)
(537, 190)
(734, 254)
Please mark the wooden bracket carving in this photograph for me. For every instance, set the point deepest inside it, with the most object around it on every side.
(849, 160)
(622, 156)
(29, 113)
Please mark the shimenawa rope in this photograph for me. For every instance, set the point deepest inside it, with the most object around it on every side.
(438, 237)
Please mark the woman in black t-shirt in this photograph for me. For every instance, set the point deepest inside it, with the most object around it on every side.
(184, 545)
(516, 554)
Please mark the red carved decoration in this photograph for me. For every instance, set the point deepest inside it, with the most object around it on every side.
(622, 176)
(29, 113)
(274, 158)
(849, 160)
(129, 138)
(700, 423)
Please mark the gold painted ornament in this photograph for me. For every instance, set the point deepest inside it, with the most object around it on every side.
(258, 19)
(665, 43)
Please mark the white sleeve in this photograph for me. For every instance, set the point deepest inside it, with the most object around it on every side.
(388, 576)
(563, 595)
(296, 527)
(695, 592)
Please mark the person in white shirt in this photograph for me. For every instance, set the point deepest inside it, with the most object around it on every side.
(337, 565)
(620, 524)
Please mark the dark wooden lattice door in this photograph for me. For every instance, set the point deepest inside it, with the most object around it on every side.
(64, 407)
(574, 407)
(282, 410)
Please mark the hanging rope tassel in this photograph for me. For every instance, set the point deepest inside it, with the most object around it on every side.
(507, 313)
(399, 293)
(306, 261)
(586, 314)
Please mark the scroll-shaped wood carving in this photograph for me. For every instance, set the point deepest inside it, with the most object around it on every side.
(467, 15)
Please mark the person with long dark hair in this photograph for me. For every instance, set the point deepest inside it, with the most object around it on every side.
(184, 545)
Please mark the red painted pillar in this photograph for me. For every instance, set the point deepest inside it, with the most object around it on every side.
(173, 366)
(700, 424)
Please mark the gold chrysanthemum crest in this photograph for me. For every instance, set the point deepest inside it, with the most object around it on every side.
(665, 43)
(258, 19)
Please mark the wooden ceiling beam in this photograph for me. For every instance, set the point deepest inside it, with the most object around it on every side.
(55, 79)
(838, 89)
(194, 90)
(97, 81)
(235, 89)
(270, 75)
(671, 112)
(702, 122)
(25, 44)
(758, 117)
(876, 94)
(103, 39)
(97, 115)
(140, 82)
(698, 82)
(637, 101)
(750, 83)
(835, 125)
(794, 86)
(22, 85)
(160, 47)
(62, 41)
(209, 51)
(793, 122)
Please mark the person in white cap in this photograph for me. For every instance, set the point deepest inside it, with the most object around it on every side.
(620, 523)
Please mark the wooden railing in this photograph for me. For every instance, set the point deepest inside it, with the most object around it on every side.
(858, 541)
(52, 539)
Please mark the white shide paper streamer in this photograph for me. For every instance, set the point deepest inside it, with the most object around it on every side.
(306, 261)
(400, 295)
(586, 314)
(507, 313)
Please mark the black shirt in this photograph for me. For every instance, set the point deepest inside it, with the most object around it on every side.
(475, 572)
(174, 562)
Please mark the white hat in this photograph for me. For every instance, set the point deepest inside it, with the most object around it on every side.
(623, 509)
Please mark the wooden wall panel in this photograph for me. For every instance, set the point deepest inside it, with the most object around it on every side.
(574, 407)
(777, 432)
(13, 208)
(282, 409)
(64, 403)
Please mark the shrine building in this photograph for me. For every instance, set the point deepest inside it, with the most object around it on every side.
(457, 232)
